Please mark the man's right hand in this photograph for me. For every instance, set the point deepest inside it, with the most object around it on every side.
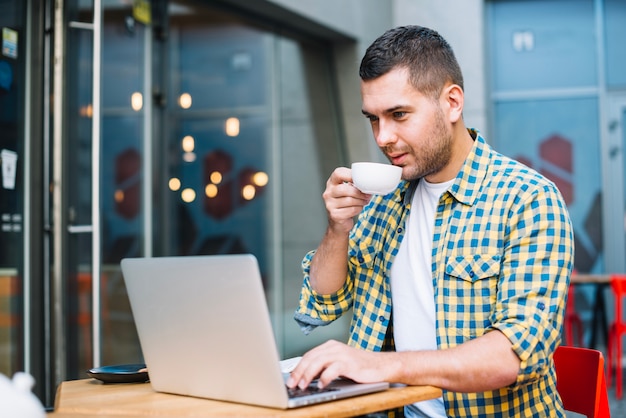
(343, 200)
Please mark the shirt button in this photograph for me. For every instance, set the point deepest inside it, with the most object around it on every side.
(541, 306)
(400, 230)
(381, 318)
(361, 260)
(471, 274)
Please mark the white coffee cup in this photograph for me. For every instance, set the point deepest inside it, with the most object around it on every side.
(375, 178)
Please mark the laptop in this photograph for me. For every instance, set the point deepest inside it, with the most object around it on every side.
(205, 331)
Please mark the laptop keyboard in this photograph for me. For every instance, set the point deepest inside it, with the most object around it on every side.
(311, 390)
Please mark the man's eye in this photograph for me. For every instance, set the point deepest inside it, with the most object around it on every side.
(372, 118)
(399, 115)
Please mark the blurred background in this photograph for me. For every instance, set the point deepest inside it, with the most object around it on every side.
(150, 128)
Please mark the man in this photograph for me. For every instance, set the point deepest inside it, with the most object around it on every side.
(458, 278)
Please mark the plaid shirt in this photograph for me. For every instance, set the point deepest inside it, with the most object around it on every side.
(502, 257)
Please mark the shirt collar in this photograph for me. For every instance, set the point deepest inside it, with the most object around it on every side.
(466, 186)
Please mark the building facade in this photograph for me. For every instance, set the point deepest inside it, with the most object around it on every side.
(184, 127)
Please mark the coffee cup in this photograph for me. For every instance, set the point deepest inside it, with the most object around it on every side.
(375, 178)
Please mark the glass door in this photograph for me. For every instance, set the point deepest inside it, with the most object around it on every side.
(132, 46)
(105, 154)
(13, 283)
(73, 203)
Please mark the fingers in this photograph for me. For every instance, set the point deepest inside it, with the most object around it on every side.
(307, 369)
(340, 175)
(333, 359)
(324, 362)
(343, 201)
(339, 184)
(330, 373)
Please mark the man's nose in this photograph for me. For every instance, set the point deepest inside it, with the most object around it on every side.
(386, 134)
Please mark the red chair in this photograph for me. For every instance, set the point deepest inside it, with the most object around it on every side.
(580, 381)
(573, 326)
(616, 330)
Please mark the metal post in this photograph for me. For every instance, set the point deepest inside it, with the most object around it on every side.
(96, 134)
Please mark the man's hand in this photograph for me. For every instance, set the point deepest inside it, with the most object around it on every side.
(343, 201)
(334, 359)
(484, 363)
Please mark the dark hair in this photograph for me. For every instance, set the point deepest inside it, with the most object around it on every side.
(425, 53)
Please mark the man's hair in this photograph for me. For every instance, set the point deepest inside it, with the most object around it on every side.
(425, 53)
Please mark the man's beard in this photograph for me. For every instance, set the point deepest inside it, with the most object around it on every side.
(434, 155)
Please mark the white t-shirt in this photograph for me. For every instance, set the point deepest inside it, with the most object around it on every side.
(412, 290)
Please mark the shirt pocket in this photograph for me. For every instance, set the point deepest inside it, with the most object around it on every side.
(473, 267)
(471, 286)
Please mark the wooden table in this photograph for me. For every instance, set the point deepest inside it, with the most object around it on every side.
(90, 397)
(599, 319)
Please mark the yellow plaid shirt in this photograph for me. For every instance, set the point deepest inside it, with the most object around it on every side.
(502, 257)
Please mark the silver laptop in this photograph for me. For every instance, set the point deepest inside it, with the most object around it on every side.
(205, 331)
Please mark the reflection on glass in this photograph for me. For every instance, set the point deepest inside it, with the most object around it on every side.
(210, 190)
(188, 143)
(188, 195)
(119, 196)
(86, 111)
(260, 179)
(184, 100)
(216, 177)
(248, 192)
(136, 101)
(232, 126)
(189, 157)
(174, 184)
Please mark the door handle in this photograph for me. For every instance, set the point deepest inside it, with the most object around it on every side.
(79, 229)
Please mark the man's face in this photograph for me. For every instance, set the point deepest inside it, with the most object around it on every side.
(411, 129)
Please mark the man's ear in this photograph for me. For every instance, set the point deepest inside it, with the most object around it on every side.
(453, 98)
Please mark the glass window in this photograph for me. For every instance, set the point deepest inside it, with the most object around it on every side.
(615, 16)
(224, 57)
(126, 42)
(559, 138)
(219, 144)
(539, 48)
(122, 55)
(245, 134)
(310, 148)
(542, 44)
